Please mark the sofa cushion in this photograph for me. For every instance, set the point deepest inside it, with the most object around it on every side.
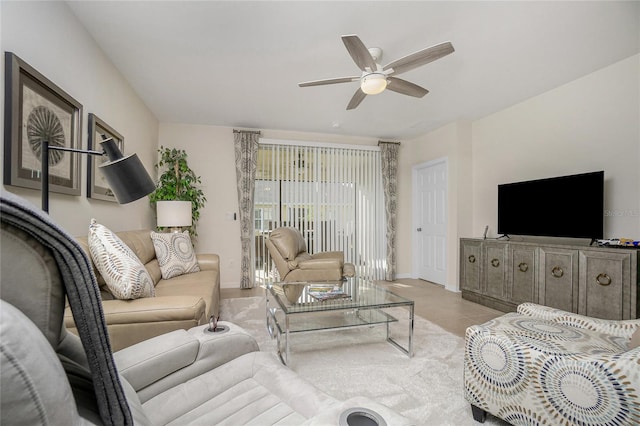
(175, 254)
(251, 389)
(130, 322)
(203, 284)
(288, 241)
(121, 269)
(35, 389)
(139, 242)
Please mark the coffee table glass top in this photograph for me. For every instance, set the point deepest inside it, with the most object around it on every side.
(352, 293)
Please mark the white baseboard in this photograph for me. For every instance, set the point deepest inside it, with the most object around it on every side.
(404, 276)
(411, 276)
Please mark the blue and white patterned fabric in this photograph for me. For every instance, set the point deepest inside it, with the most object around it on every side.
(546, 366)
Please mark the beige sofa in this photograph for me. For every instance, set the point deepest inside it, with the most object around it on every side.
(181, 302)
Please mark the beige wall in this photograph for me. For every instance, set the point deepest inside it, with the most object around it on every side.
(211, 156)
(451, 142)
(48, 37)
(587, 125)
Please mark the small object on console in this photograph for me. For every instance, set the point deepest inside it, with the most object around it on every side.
(214, 327)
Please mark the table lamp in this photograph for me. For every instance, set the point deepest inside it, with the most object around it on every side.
(174, 214)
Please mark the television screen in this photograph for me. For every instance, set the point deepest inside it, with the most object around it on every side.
(565, 206)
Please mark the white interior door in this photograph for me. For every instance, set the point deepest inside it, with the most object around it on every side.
(430, 213)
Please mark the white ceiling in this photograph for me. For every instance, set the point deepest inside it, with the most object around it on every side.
(238, 63)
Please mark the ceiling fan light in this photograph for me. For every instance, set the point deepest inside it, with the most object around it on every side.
(372, 84)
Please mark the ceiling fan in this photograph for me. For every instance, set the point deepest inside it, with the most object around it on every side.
(376, 78)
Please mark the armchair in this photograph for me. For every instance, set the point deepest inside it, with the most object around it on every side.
(546, 366)
(289, 253)
(51, 376)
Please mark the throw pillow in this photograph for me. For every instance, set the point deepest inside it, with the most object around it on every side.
(121, 269)
(175, 254)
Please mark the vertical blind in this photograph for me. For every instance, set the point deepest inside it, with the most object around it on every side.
(332, 194)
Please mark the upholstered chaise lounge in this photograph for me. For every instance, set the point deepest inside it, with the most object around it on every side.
(50, 376)
(546, 366)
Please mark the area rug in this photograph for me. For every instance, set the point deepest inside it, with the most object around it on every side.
(426, 388)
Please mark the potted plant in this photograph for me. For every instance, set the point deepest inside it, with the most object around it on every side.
(178, 183)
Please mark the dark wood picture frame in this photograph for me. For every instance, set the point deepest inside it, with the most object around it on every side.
(97, 187)
(36, 109)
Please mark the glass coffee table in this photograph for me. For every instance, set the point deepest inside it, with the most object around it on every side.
(295, 307)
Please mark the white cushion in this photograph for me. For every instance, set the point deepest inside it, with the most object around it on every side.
(121, 269)
(175, 254)
(35, 389)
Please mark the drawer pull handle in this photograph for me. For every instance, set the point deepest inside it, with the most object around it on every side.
(557, 272)
(472, 259)
(523, 267)
(603, 279)
(495, 263)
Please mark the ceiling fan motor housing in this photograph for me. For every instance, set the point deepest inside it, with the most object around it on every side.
(376, 54)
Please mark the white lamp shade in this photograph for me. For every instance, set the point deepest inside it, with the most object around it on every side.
(372, 84)
(173, 213)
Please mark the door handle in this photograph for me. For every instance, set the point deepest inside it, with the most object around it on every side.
(419, 229)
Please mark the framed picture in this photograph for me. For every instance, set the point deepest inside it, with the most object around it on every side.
(97, 187)
(37, 110)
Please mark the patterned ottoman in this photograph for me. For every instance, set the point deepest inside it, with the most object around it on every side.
(547, 366)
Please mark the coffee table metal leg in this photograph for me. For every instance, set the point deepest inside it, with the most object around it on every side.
(286, 341)
(411, 330)
(268, 313)
(409, 349)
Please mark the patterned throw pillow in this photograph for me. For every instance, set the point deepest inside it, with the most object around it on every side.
(175, 254)
(121, 269)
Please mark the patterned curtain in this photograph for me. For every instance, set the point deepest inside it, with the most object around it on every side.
(246, 149)
(389, 158)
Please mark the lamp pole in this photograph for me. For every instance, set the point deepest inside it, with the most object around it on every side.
(44, 162)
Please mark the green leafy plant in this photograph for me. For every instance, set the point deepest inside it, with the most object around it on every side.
(178, 182)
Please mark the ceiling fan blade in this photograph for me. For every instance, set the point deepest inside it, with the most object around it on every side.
(420, 58)
(359, 53)
(329, 81)
(356, 99)
(405, 87)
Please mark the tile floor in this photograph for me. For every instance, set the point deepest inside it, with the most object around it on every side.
(432, 302)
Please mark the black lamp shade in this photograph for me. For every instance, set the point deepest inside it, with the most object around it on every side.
(126, 176)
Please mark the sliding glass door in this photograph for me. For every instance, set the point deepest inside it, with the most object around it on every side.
(332, 195)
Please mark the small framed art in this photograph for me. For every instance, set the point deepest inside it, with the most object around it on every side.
(37, 110)
(97, 187)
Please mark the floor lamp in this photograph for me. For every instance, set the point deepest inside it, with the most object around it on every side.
(126, 176)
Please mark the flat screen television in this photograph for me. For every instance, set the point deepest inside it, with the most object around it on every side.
(564, 206)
